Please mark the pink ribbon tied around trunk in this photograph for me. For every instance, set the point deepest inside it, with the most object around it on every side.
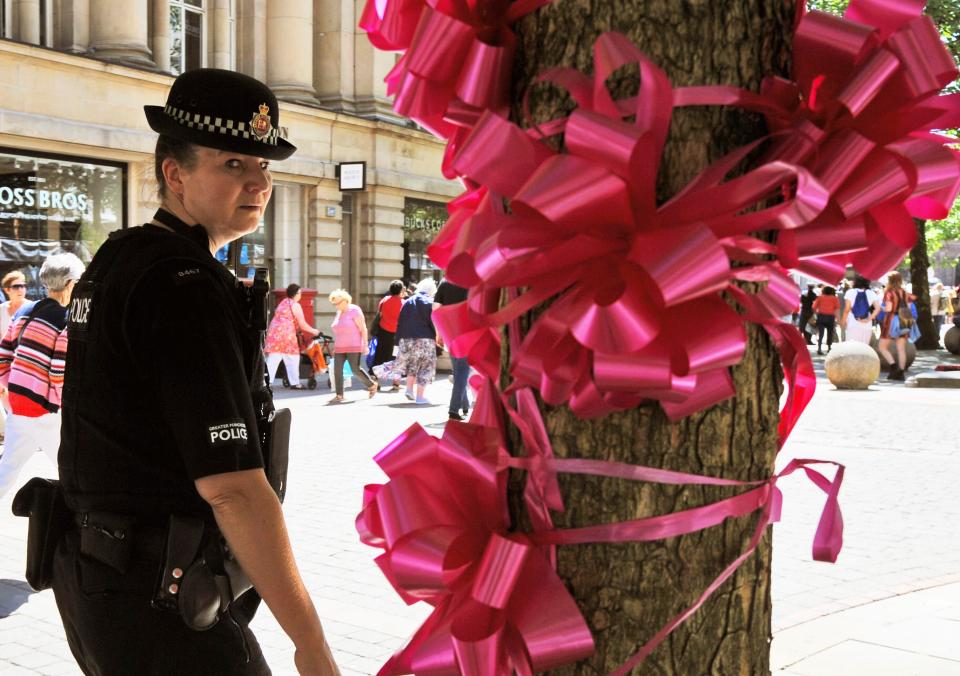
(499, 606)
(633, 282)
(441, 519)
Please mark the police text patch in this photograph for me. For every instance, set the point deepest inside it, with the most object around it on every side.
(226, 433)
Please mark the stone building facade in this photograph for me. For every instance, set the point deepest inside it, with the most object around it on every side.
(76, 152)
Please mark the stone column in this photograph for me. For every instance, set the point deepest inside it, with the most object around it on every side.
(252, 38)
(371, 67)
(160, 40)
(325, 250)
(220, 27)
(290, 50)
(119, 31)
(74, 26)
(28, 24)
(333, 55)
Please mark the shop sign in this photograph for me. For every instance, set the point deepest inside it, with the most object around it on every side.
(44, 199)
(423, 215)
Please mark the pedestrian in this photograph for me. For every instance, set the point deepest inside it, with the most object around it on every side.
(939, 300)
(282, 343)
(826, 306)
(165, 405)
(806, 313)
(861, 308)
(14, 285)
(894, 299)
(349, 342)
(388, 312)
(449, 293)
(31, 370)
(417, 356)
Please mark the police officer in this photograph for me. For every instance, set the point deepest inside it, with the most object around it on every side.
(163, 412)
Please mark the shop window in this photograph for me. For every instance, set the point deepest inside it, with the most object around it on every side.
(186, 32)
(422, 220)
(53, 203)
(243, 256)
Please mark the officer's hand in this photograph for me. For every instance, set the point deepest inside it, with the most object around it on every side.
(315, 662)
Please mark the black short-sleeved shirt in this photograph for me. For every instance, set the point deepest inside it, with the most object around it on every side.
(449, 294)
(161, 377)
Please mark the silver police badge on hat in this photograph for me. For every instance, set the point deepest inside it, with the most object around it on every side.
(260, 124)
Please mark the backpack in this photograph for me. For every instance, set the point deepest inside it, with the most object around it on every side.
(904, 314)
(861, 306)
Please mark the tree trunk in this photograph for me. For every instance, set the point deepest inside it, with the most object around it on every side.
(627, 592)
(919, 263)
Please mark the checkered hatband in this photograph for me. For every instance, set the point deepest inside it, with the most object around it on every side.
(220, 125)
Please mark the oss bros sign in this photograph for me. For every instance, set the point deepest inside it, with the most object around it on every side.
(43, 199)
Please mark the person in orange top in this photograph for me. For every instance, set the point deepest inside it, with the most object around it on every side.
(826, 306)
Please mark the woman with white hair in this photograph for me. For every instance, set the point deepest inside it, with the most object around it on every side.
(417, 356)
(32, 357)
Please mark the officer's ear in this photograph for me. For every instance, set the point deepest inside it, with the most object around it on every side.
(173, 176)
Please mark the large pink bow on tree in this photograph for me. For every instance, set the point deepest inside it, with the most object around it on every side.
(441, 519)
(857, 115)
(634, 283)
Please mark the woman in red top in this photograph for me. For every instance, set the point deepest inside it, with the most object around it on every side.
(894, 297)
(389, 311)
(826, 306)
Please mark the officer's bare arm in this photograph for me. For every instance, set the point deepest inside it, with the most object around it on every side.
(249, 515)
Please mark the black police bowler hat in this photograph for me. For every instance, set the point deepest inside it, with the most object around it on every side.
(223, 110)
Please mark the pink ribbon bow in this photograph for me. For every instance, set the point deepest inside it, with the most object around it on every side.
(442, 521)
(858, 117)
(499, 605)
(634, 282)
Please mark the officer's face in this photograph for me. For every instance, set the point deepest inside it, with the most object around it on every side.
(227, 192)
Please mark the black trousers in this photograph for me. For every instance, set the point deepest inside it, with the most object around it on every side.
(113, 631)
(825, 323)
(384, 351)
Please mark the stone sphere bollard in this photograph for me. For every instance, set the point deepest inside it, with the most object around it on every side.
(852, 366)
(911, 352)
(951, 340)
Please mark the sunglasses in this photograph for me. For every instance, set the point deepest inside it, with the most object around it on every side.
(17, 286)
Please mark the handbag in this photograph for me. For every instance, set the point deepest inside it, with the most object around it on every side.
(303, 342)
(904, 313)
(42, 501)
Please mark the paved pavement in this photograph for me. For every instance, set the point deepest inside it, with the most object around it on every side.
(891, 604)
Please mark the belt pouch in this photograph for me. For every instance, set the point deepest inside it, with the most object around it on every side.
(107, 538)
(41, 500)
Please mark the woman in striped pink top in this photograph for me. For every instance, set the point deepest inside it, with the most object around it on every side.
(32, 357)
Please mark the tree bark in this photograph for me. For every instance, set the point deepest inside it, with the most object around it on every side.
(920, 286)
(627, 592)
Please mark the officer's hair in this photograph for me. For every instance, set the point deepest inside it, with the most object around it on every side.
(292, 290)
(340, 294)
(10, 277)
(427, 286)
(183, 152)
(59, 269)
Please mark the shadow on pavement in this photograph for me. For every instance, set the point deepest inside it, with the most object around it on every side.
(13, 594)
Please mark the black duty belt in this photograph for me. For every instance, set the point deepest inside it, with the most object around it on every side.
(107, 532)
